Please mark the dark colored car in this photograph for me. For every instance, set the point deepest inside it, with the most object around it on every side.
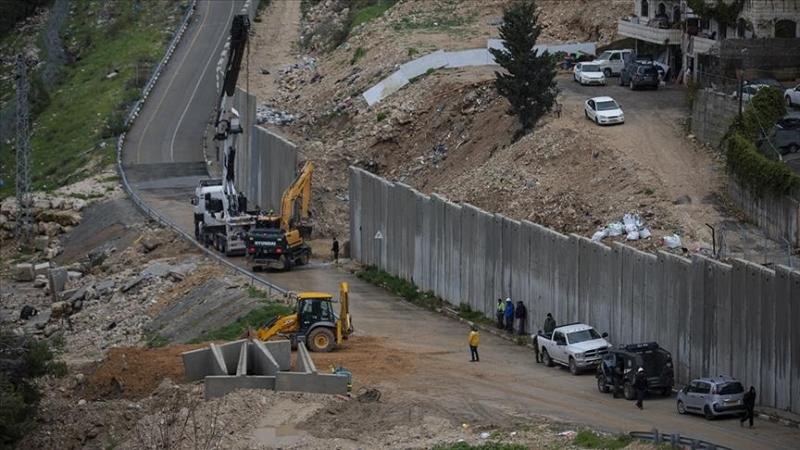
(784, 137)
(767, 82)
(619, 367)
(638, 74)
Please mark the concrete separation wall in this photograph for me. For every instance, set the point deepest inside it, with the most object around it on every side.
(441, 59)
(266, 163)
(252, 364)
(715, 318)
(712, 114)
(779, 217)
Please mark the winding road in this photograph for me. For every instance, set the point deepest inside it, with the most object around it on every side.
(164, 159)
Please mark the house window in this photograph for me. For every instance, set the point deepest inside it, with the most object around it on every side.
(741, 28)
(645, 9)
(786, 29)
(676, 14)
(662, 9)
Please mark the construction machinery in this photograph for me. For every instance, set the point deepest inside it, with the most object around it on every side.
(314, 321)
(221, 218)
(277, 240)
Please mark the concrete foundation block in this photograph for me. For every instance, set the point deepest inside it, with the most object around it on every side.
(57, 278)
(282, 353)
(217, 386)
(309, 382)
(24, 272)
(41, 269)
(261, 361)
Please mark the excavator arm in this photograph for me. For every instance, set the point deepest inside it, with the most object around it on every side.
(300, 188)
(344, 326)
(283, 325)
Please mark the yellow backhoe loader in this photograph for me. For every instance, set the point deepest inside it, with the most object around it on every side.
(313, 322)
(277, 239)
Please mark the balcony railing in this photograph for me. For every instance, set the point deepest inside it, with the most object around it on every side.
(663, 36)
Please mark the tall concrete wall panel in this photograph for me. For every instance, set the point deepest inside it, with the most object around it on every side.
(715, 318)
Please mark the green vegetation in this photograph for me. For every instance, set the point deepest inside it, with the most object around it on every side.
(412, 51)
(254, 319)
(725, 12)
(357, 54)
(24, 360)
(485, 446)
(589, 439)
(445, 16)
(369, 11)
(428, 72)
(156, 341)
(400, 287)
(381, 116)
(87, 108)
(529, 84)
(13, 12)
(466, 313)
(744, 160)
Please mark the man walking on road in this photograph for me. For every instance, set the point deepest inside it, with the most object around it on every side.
(749, 405)
(549, 323)
(509, 316)
(500, 313)
(640, 385)
(474, 340)
(335, 250)
(521, 314)
(536, 347)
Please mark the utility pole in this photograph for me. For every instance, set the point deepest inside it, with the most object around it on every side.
(24, 201)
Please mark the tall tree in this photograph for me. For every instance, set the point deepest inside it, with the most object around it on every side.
(529, 78)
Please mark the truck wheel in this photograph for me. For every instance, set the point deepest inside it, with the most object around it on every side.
(628, 391)
(573, 366)
(287, 263)
(320, 340)
(548, 361)
(681, 407)
(601, 384)
(707, 413)
(303, 259)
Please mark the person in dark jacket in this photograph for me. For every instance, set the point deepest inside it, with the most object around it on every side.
(536, 347)
(501, 309)
(749, 405)
(640, 385)
(521, 314)
(549, 323)
(509, 315)
(335, 249)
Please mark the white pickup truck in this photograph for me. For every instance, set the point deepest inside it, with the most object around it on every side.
(575, 345)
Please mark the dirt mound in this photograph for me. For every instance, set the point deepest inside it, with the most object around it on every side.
(371, 360)
(133, 372)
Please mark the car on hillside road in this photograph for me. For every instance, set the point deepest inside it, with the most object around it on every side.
(603, 111)
(712, 397)
(792, 96)
(588, 73)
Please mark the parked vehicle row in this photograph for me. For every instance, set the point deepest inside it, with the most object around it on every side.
(579, 347)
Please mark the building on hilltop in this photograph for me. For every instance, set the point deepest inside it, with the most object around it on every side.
(729, 38)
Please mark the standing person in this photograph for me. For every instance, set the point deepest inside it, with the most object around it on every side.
(536, 347)
(640, 385)
(549, 323)
(749, 405)
(335, 250)
(509, 316)
(474, 340)
(521, 314)
(500, 313)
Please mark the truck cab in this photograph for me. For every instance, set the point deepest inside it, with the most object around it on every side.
(612, 62)
(577, 346)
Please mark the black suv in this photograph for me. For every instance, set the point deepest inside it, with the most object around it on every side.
(619, 366)
(638, 73)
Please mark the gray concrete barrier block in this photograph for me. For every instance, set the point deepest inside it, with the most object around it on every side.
(230, 353)
(200, 363)
(217, 386)
(305, 382)
(261, 361)
(41, 269)
(241, 367)
(57, 279)
(282, 353)
(219, 364)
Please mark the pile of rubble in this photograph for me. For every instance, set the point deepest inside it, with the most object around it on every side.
(272, 116)
(52, 216)
(323, 24)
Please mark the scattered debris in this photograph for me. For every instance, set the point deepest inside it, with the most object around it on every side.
(272, 116)
(672, 241)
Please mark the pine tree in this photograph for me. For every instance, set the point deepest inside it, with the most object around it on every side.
(529, 79)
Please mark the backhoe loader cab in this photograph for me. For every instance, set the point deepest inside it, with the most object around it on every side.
(314, 321)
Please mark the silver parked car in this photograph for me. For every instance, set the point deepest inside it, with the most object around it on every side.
(712, 397)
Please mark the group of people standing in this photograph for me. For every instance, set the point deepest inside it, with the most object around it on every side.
(508, 314)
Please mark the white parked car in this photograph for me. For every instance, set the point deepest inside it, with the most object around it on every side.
(612, 62)
(603, 111)
(792, 96)
(588, 73)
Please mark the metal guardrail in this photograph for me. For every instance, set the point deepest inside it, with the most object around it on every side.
(675, 440)
(140, 204)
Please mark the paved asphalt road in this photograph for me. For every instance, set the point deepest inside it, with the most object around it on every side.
(169, 131)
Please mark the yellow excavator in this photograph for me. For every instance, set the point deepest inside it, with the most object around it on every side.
(277, 240)
(313, 322)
